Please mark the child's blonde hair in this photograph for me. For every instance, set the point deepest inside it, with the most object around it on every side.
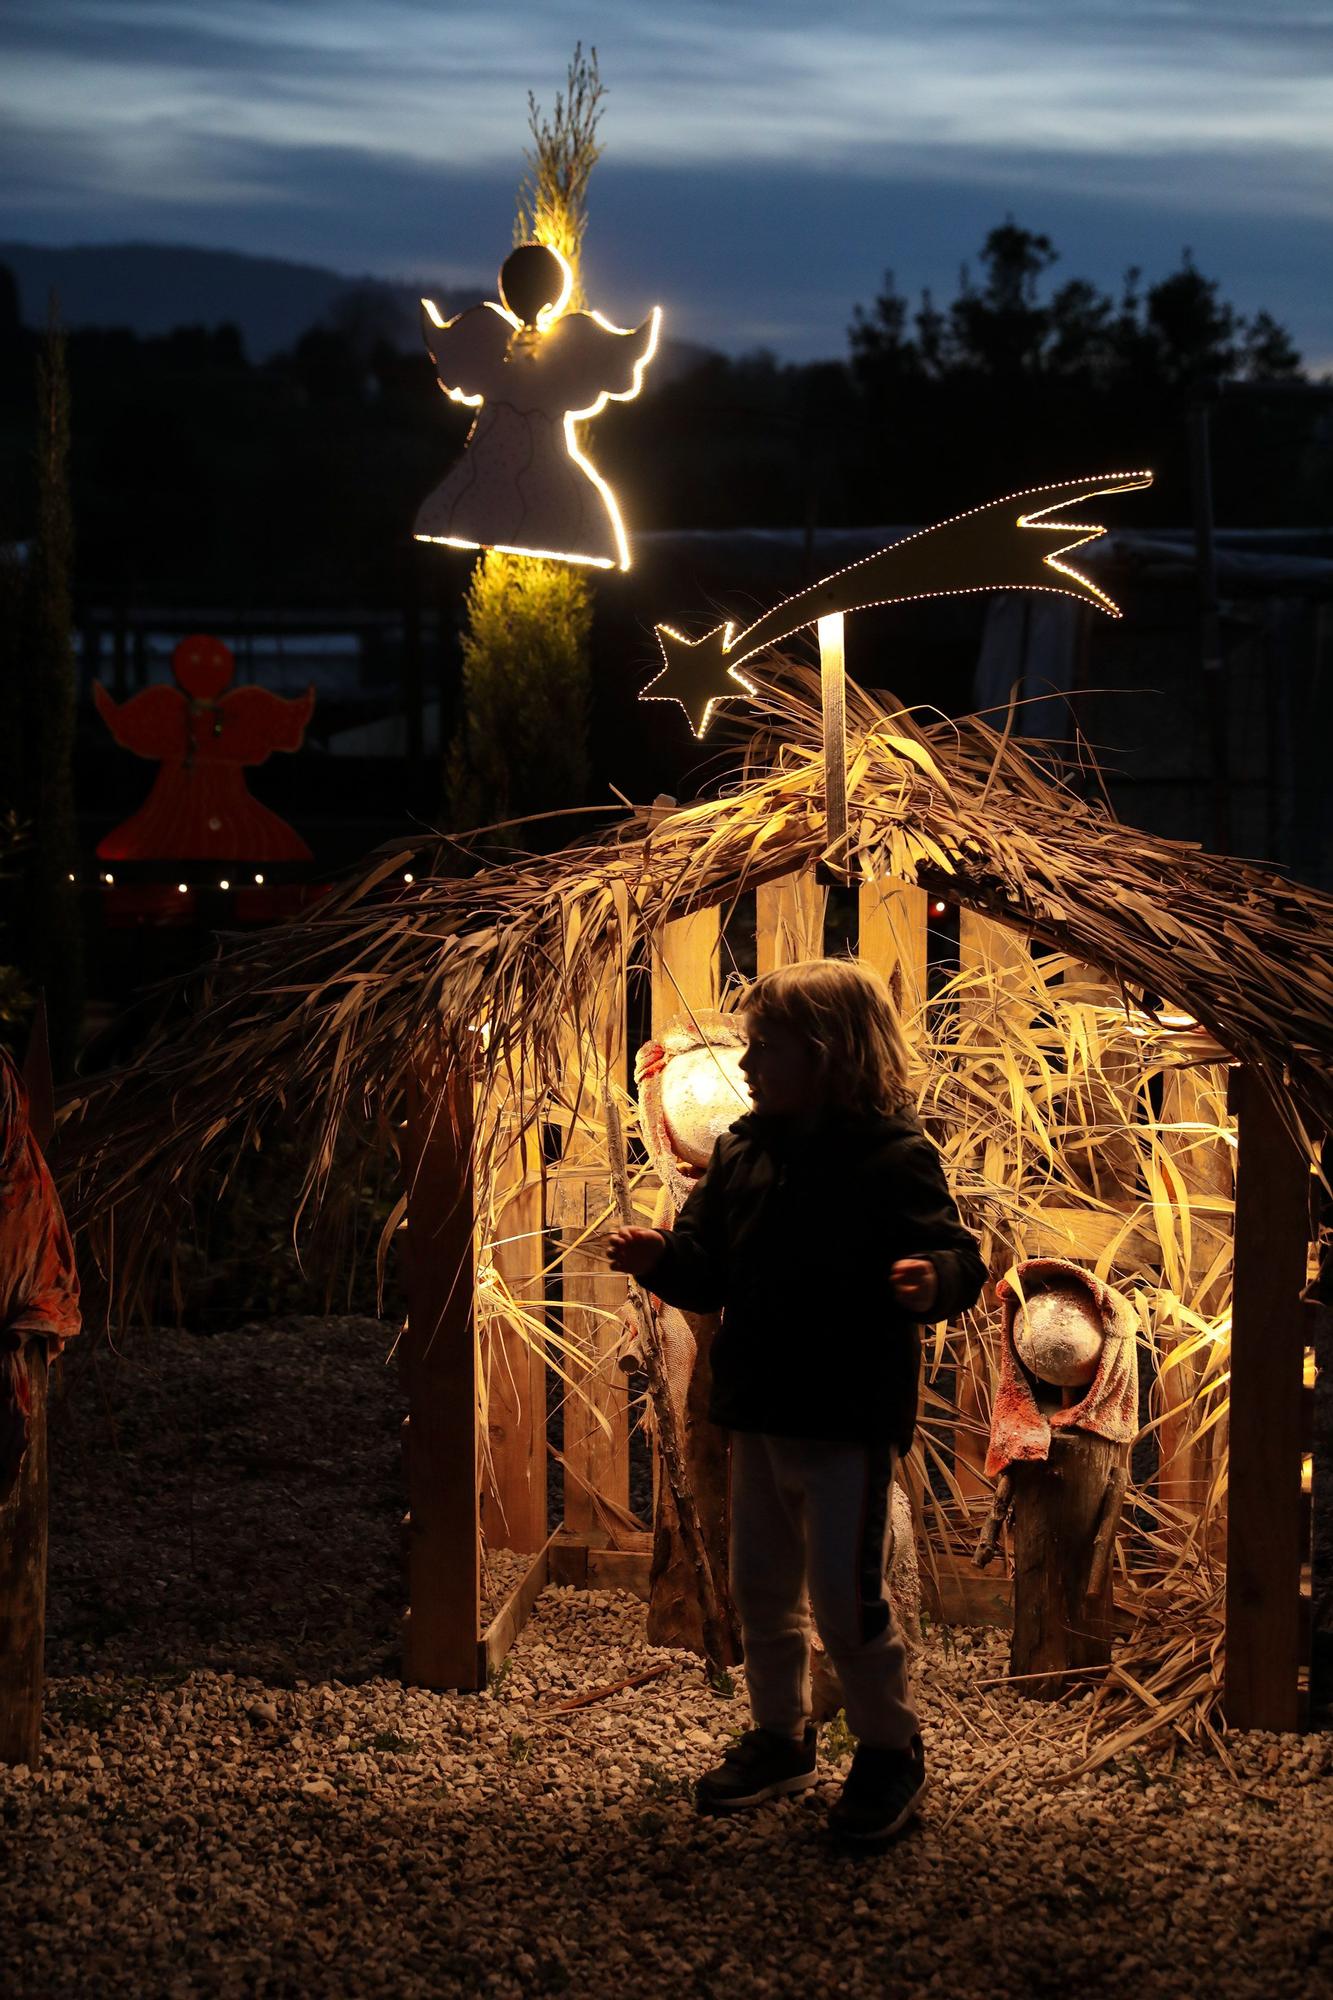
(845, 1012)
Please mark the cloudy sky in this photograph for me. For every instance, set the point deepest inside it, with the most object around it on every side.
(764, 161)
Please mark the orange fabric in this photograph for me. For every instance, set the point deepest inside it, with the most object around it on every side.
(1019, 1430)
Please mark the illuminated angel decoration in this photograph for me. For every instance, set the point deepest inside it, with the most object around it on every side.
(533, 372)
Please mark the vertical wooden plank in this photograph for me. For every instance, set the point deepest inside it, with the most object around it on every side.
(789, 921)
(893, 921)
(983, 943)
(596, 1452)
(984, 946)
(1264, 1514)
(685, 969)
(23, 1524)
(1205, 1170)
(514, 1483)
(442, 1635)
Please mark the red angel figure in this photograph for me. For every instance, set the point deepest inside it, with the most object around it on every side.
(200, 808)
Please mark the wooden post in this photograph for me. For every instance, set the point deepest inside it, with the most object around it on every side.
(514, 1484)
(23, 1519)
(23, 1583)
(892, 932)
(685, 969)
(833, 691)
(442, 1634)
(1062, 1594)
(789, 921)
(1264, 1513)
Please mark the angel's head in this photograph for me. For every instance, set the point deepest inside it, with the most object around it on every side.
(535, 284)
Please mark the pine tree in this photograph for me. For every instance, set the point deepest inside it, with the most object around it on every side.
(523, 744)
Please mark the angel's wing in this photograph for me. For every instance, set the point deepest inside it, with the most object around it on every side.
(599, 363)
(468, 351)
(151, 724)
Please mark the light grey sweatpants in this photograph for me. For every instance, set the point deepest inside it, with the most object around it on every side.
(807, 1515)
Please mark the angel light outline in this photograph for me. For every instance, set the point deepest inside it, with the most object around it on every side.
(533, 371)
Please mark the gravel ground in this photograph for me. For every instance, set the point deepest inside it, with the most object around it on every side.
(236, 1800)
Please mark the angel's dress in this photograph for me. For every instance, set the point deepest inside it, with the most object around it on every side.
(200, 808)
(517, 486)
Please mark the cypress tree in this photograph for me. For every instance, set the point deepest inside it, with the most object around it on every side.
(38, 752)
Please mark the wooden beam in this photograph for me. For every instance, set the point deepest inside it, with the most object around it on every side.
(789, 921)
(516, 1610)
(442, 1635)
(1264, 1554)
(23, 1521)
(954, 1592)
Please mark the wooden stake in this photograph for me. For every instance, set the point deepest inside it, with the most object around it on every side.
(442, 1638)
(23, 1584)
(833, 690)
(23, 1520)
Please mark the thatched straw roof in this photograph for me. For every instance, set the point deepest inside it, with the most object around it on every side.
(315, 1023)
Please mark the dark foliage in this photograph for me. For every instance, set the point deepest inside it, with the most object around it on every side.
(199, 477)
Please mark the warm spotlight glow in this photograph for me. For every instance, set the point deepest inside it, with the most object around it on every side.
(224, 885)
(408, 876)
(506, 549)
(183, 888)
(260, 880)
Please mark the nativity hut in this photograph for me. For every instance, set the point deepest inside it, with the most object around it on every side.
(1127, 1060)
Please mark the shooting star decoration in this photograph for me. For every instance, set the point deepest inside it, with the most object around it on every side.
(1001, 546)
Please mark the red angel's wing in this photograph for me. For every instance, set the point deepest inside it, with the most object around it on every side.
(151, 724)
(256, 722)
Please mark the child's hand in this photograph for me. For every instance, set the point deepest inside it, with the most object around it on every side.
(915, 1283)
(634, 1251)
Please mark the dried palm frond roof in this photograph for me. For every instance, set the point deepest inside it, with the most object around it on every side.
(318, 1021)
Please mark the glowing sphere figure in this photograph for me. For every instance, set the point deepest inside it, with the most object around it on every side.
(533, 371)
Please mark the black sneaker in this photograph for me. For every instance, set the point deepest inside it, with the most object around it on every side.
(761, 1766)
(882, 1792)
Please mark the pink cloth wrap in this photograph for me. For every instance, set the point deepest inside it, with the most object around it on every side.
(1019, 1431)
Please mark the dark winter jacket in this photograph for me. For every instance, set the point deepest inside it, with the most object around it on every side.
(792, 1234)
